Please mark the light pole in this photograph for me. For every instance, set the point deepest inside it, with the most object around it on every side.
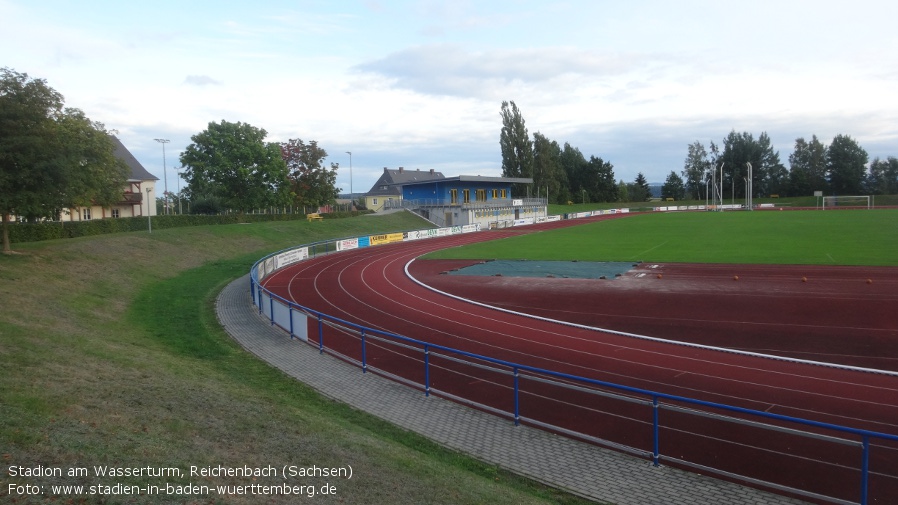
(164, 175)
(351, 197)
(149, 215)
(180, 211)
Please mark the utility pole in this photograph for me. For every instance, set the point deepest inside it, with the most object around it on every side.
(164, 175)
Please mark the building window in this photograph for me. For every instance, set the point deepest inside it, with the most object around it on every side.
(85, 214)
(453, 197)
(467, 195)
(481, 195)
(115, 213)
(375, 201)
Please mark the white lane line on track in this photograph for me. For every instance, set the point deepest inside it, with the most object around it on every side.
(347, 264)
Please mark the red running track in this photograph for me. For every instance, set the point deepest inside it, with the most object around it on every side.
(369, 287)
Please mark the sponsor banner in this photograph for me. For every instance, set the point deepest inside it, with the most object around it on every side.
(468, 228)
(388, 238)
(347, 244)
(443, 232)
(363, 242)
(419, 234)
(269, 265)
(771, 205)
(260, 271)
(290, 257)
(455, 230)
(555, 217)
(523, 222)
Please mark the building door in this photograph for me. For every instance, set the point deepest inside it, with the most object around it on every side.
(448, 219)
(517, 214)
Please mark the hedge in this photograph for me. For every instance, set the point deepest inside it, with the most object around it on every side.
(49, 230)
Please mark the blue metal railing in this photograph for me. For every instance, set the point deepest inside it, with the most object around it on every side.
(656, 400)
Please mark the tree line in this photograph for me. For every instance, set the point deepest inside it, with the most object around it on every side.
(563, 174)
(840, 168)
(231, 166)
(54, 158)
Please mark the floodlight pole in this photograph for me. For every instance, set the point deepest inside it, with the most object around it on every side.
(351, 197)
(164, 175)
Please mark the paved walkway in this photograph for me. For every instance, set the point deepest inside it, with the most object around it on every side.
(579, 468)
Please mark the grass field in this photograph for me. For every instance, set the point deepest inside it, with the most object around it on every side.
(110, 354)
(855, 237)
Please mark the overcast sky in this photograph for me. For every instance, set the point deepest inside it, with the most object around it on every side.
(419, 84)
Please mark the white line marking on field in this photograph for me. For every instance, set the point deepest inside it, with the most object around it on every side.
(830, 258)
(652, 249)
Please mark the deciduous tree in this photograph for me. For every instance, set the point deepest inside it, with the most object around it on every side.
(517, 149)
(673, 187)
(232, 162)
(51, 157)
(312, 183)
(846, 165)
(695, 170)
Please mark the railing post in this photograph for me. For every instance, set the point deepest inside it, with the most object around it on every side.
(517, 404)
(271, 309)
(656, 453)
(320, 335)
(290, 314)
(364, 360)
(426, 370)
(865, 469)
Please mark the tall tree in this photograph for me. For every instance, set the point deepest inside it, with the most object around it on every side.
(846, 165)
(639, 190)
(517, 150)
(51, 157)
(695, 170)
(623, 191)
(232, 162)
(883, 177)
(807, 167)
(599, 183)
(311, 182)
(548, 173)
(574, 165)
(768, 174)
(673, 187)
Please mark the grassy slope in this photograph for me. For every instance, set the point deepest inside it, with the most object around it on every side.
(110, 354)
(856, 237)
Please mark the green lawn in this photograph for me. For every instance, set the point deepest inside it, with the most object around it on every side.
(110, 354)
(855, 237)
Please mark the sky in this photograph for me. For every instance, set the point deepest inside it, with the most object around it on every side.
(420, 84)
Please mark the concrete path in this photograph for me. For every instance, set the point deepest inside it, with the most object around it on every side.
(579, 468)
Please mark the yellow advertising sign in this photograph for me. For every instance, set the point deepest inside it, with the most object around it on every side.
(385, 239)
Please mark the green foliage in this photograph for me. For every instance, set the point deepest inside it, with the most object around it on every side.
(312, 184)
(232, 162)
(51, 157)
(673, 187)
(517, 150)
(846, 166)
(883, 177)
(48, 230)
(695, 170)
(807, 171)
(639, 190)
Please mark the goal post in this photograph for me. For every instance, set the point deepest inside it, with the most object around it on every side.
(846, 201)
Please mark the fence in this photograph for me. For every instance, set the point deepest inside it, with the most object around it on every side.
(816, 460)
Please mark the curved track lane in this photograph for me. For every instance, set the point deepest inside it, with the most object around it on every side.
(369, 287)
